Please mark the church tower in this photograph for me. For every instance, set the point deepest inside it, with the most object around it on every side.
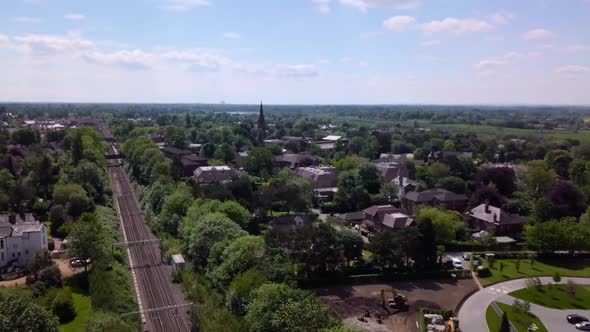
(261, 122)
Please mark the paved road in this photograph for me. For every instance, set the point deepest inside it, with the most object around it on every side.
(472, 313)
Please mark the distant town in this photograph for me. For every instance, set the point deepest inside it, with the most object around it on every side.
(286, 218)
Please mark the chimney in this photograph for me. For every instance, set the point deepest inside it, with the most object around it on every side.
(487, 208)
(401, 181)
(12, 218)
(495, 218)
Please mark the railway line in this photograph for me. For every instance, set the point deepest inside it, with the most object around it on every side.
(162, 306)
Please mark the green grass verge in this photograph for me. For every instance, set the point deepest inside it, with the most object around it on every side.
(556, 296)
(520, 320)
(484, 131)
(494, 321)
(565, 267)
(83, 306)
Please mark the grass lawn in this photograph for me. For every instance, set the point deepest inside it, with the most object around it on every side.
(494, 321)
(520, 320)
(565, 267)
(81, 303)
(556, 296)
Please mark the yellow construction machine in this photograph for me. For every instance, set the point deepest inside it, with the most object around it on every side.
(398, 301)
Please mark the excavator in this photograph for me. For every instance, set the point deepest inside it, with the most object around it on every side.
(398, 301)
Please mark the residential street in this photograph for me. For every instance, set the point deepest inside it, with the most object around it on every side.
(472, 312)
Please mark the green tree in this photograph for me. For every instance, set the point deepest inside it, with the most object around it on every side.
(238, 256)
(201, 234)
(452, 183)
(225, 152)
(40, 260)
(351, 194)
(438, 170)
(369, 176)
(278, 307)
(102, 321)
(241, 290)
(447, 225)
(18, 313)
(428, 253)
(86, 240)
(175, 208)
(539, 178)
(352, 244)
(259, 162)
(73, 197)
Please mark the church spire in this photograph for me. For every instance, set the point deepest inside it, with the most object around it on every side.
(261, 122)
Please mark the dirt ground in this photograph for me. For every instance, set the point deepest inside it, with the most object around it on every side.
(64, 267)
(349, 302)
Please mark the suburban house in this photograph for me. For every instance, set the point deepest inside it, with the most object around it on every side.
(442, 155)
(21, 236)
(404, 185)
(381, 217)
(156, 137)
(213, 174)
(434, 197)
(391, 170)
(486, 217)
(293, 161)
(174, 153)
(321, 177)
(355, 218)
(191, 162)
(288, 223)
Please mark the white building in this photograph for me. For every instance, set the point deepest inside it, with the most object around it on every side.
(20, 238)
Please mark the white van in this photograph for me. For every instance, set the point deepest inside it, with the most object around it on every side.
(457, 264)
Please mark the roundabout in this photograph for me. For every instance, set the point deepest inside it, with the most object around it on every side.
(472, 312)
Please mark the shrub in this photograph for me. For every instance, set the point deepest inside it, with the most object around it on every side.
(51, 276)
(63, 306)
(556, 277)
(483, 272)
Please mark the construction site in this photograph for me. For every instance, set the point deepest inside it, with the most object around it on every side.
(395, 306)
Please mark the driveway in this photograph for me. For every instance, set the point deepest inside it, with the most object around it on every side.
(472, 312)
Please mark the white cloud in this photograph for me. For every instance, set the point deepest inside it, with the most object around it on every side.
(74, 17)
(27, 19)
(573, 69)
(365, 5)
(428, 43)
(456, 25)
(502, 17)
(183, 5)
(323, 6)
(578, 48)
(135, 59)
(537, 34)
(199, 60)
(297, 71)
(488, 65)
(47, 45)
(231, 35)
(399, 23)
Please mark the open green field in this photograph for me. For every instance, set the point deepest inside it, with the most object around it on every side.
(83, 306)
(565, 267)
(520, 320)
(556, 296)
(491, 131)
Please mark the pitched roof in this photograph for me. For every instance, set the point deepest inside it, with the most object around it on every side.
(213, 173)
(397, 220)
(494, 215)
(438, 193)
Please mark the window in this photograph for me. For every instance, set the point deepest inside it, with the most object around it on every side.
(2, 257)
(13, 255)
(27, 252)
(2, 244)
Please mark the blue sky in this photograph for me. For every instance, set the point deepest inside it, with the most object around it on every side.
(296, 51)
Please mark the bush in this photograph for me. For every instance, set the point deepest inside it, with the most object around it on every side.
(556, 277)
(50, 244)
(51, 276)
(483, 272)
(63, 306)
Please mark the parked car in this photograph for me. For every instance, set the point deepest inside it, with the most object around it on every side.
(575, 319)
(457, 263)
(467, 256)
(583, 326)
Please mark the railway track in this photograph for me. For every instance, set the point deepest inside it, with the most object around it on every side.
(152, 278)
